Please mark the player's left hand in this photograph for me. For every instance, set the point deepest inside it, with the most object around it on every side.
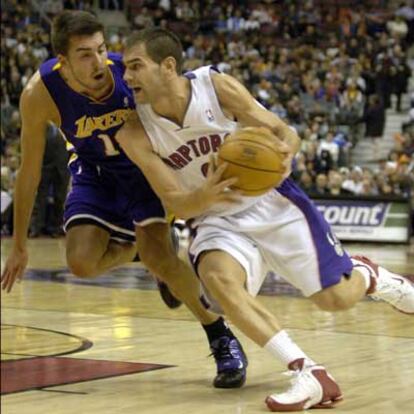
(216, 189)
(14, 268)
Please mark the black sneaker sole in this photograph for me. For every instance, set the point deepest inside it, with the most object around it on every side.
(230, 379)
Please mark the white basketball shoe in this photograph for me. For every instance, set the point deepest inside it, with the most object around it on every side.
(389, 287)
(312, 387)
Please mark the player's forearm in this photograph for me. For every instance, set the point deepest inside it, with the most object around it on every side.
(184, 204)
(177, 200)
(260, 117)
(23, 201)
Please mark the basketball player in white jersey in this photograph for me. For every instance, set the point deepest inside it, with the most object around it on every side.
(182, 121)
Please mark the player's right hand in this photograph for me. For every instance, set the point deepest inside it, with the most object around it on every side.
(216, 189)
(14, 268)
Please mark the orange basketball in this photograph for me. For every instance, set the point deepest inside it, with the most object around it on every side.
(255, 158)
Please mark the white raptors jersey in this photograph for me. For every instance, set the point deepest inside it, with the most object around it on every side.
(187, 149)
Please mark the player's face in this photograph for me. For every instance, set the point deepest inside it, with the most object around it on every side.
(143, 75)
(86, 61)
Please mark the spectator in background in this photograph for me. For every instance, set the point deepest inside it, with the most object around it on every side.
(398, 27)
(311, 36)
(331, 146)
(6, 202)
(47, 216)
(236, 22)
(351, 109)
(264, 92)
(383, 82)
(374, 118)
(321, 185)
(406, 176)
(323, 162)
(368, 74)
(14, 87)
(143, 19)
(12, 161)
(277, 108)
(197, 49)
(398, 172)
(165, 5)
(386, 189)
(306, 182)
(335, 181)
(368, 187)
(115, 42)
(353, 184)
(52, 7)
(185, 12)
(11, 127)
(400, 74)
(406, 11)
(109, 5)
(6, 109)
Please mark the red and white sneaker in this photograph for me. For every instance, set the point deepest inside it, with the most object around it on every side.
(389, 287)
(312, 387)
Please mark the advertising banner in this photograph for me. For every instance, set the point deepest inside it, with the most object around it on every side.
(367, 220)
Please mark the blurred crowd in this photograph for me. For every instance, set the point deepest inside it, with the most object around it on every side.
(329, 68)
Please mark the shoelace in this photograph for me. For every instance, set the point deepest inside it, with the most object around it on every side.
(222, 350)
(297, 385)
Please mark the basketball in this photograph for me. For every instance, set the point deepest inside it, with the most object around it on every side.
(255, 158)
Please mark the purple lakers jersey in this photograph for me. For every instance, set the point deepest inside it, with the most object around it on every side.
(89, 126)
(108, 189)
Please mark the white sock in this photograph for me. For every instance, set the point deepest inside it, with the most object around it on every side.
(362, 269)
(283, 348)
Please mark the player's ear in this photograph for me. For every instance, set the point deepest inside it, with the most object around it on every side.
(61, 59)
(169, 65)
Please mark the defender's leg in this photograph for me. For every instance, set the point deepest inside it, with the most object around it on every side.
(90, 252)
(158, 254)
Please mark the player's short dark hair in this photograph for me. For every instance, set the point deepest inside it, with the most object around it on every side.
(72, 23)
(159, 44)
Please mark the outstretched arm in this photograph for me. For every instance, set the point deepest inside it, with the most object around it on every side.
(185, 204)
(36, 110)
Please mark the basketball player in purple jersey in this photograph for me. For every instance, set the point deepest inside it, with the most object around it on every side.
(110, 204)
(236, 239)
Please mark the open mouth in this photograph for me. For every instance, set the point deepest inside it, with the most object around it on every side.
(136, 90)
(99, 76)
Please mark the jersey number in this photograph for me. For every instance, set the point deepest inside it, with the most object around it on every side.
(204, 169)
(110, 149)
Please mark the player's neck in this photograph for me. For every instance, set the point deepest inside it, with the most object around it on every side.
(174, 102)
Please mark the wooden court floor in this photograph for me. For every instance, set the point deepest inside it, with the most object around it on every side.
(111, 346)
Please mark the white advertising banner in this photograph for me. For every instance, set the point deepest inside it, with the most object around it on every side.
(367, 220)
